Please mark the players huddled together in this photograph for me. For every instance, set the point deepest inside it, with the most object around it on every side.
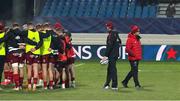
(42, 53)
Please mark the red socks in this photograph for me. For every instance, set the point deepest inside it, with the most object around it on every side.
(51, 83)
(35, 80)
(6, 74)
(45, 84)
(11, 76)
(29, 81)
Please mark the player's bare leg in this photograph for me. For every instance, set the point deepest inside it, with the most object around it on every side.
(35, 69)
(44, 69)
(21, 75)
(15, 75)
(29, 69)
(56, 76)
(72, 75)
(6, 75)
(40, 75)
(51, 70)
(63, 78)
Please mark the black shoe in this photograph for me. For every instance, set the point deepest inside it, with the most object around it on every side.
(124, 84)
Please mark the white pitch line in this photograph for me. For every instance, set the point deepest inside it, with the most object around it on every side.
(157, 71)
(79, 64)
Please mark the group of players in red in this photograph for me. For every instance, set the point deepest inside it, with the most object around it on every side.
(43, 51)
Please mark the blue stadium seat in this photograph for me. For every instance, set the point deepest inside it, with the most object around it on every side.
(153, 10)
(88, 8)
(138, 11)
(124, 8)
(82, 6)
(131, 10)
(46, 8)
(145, 12)
(74, 8)
(109, 11)
(102, 9)
(48, 2)
(95, 9)
(56, 1)
(67, 8)
(98, 8)
(117, 8)
(44, 11)
(59, 9)
(52, 9)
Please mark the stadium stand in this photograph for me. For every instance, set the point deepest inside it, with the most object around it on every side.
(98, 8)
(87, 18)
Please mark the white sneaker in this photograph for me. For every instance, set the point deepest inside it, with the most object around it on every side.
(20, 87)
(106, 87)
(73, 85)
(29, 87)
(45, 88)
(16, 88)
(115, 89)
(40, 83)
(51, 88)
(34, 87)
(63, 86)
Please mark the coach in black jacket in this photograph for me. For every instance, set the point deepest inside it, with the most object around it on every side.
(112, 53)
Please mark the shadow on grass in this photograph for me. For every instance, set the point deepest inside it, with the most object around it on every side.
(9, 90)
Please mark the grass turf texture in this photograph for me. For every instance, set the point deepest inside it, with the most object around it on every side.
(161, 81)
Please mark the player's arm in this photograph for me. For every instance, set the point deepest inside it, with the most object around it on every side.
(24, 35)
(53, 42)
(40, 43)
(129, 46)
(6, 37)
(61, 47)
(45, 35)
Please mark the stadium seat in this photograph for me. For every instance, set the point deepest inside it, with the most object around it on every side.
(124, 9)
(131, 10)
(109, 10)
(95, 9)
(74, 8)
(138, 11)
(102, 9)
(88, 8)
(117, 8)
(98, 8)
(82, 8)
(153, 10)
(145, 12)
(67, 8)
(60, 8)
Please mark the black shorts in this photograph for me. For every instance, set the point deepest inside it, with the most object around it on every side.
(60, 65)
(2, 58)
(70, 61)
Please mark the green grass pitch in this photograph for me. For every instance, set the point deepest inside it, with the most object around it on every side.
(160, 81)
